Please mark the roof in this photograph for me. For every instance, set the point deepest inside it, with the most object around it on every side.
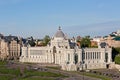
(10, 38)
(117, 38)
(59, 33)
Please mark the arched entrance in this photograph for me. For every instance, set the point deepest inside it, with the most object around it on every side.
(107, 66)
(54, 51)
(76, 58)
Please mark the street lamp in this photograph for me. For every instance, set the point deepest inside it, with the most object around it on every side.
(83, 68)
(82, 63)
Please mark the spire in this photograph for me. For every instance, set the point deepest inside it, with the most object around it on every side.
(59, 28)
(59, 33)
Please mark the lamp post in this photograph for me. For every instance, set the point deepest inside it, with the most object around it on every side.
(82, 65)
(83, 57)
(83, 68)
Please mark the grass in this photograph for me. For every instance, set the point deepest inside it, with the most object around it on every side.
(38, 78)
(57, 68)
(42, 74)
(10, 71)
(95, 76)
(6, 77)
(2, 63)
(7, 73)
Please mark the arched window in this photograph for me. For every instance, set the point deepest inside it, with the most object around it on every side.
(54, 49)
(86, 55)
(93, 56)
(59, 51)
(97, 55)
(106, 57)
(68, 57)
(76, 58)
(66, 47)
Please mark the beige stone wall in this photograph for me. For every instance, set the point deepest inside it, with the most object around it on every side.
(95, 58)
(3, 50)
(112, 43)
(14, 49)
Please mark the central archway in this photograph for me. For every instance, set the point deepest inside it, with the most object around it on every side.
(54, 51)
(76, 58)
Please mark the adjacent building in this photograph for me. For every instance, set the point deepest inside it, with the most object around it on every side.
(14, 49)
(10, 48)
(4, 52)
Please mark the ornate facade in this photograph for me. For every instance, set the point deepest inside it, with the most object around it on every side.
(4, 50)
(9, 48)
(67, 54)
(14, 49)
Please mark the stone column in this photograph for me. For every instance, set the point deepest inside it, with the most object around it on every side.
(109, 55)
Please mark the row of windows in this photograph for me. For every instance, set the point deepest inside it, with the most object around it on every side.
(92, 55)
(93, 61)
(51, 51)
(38, 60)
(63, 47)
(41, 57)
(14, 54)
(36, 52)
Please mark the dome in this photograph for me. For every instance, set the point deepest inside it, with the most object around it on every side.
(59, 33)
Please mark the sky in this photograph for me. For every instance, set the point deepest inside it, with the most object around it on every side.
(38, 18)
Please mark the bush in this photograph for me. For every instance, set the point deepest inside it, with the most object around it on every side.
(117, 59)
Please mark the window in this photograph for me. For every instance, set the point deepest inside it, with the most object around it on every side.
(59, 51)
(66, 47)
(83, 56)
(99, 55)
(76, 58)
(93, 55)
(106, 57)
(86, 55)
(96, 55)
(54, 49)
(68, 57)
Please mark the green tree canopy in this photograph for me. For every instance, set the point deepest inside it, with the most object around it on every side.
(117, 59)
(31, 41)
(46, 40)
(85, 42)
(115, 52)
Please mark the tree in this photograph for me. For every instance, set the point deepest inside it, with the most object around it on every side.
(115, 52)
(46, 40)
(85, 42)
(117, 59)
(31, 41)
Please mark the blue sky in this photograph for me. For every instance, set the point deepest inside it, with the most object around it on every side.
(38, 18)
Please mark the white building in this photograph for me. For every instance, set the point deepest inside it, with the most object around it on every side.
(118, 32)
(65, 52)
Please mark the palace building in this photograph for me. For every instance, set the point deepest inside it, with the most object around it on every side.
(67, 54)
